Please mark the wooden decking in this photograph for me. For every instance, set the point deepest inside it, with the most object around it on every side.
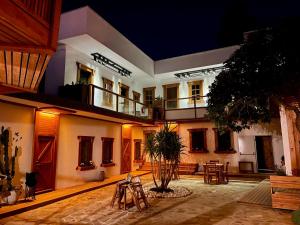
(260, 195)
(285, 192)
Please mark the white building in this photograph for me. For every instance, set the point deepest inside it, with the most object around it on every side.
(115, 84)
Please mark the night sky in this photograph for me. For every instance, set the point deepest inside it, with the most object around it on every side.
(164, 28)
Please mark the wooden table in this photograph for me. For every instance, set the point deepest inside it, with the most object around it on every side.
(219, 170)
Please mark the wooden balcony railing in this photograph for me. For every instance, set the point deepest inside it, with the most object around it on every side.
(102, 98)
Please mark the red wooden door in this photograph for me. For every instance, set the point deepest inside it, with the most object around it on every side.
(126, 156)
(44, 163)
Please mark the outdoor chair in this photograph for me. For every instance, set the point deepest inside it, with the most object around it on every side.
(138, 194)
(212, 173)
(225, 174)
(134, 185)
(120, 191)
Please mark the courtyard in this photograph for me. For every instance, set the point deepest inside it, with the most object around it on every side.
(206, 205)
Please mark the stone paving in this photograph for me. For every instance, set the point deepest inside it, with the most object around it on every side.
(207, 205)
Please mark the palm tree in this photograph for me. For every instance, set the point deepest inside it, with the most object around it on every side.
(164, 149)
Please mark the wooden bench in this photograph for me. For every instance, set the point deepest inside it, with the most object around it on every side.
(285, 192)
(184, 168)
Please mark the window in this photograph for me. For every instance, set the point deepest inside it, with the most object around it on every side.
(85, 153)
(107, 151)
(196, 90)
(171, 95)
(84, 74)
(124, 102)
(149, 95)
(198, 140)
(136, 96)
(107, 96)
(137, 150)
(223, 141)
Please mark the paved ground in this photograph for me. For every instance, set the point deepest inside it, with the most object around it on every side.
(207, 205)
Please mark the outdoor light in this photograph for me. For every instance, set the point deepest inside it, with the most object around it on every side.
(56, 110)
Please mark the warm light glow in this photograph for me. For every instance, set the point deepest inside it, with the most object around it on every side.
(127, 126)
(173, 126)
(48, 114)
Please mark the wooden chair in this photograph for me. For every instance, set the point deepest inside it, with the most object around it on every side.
(214, 161)
(120, 191)
(212, 172)
(138, 194)
(205, 178)
(225, 174)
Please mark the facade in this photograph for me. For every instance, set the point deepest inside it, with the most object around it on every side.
(104, 96)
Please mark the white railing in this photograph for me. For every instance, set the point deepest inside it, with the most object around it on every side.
(185, 108)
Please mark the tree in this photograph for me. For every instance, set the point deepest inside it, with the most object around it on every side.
(263, 71)
(164, 149)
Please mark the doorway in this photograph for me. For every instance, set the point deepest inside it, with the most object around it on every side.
(45, 150)
(126, 156)
(44, 163)
(265, 158)
(171, 95)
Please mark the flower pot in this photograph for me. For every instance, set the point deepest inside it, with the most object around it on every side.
(13, 197)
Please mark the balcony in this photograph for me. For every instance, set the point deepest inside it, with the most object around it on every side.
(29, 32)
(101, 98)
(189, 108)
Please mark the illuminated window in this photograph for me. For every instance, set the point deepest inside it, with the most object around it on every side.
(107, 96)
(198, 140)
(107, 151)
(149, 95)
(85, 153)
(84, 74)
(196, 90)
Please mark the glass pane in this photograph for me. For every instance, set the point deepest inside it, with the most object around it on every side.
(224, 141)
(85, 152)
(198, 140)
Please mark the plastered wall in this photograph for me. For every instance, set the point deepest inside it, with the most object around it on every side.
(68, 149)
(20, 119)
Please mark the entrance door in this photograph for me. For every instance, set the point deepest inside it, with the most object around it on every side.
(265, 159)
(126, 156)
(171, 95)
(44, 163)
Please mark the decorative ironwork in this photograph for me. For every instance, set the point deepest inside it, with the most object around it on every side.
(201, 72)
(110, 64)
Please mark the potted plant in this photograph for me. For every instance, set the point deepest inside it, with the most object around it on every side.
(7, 163)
